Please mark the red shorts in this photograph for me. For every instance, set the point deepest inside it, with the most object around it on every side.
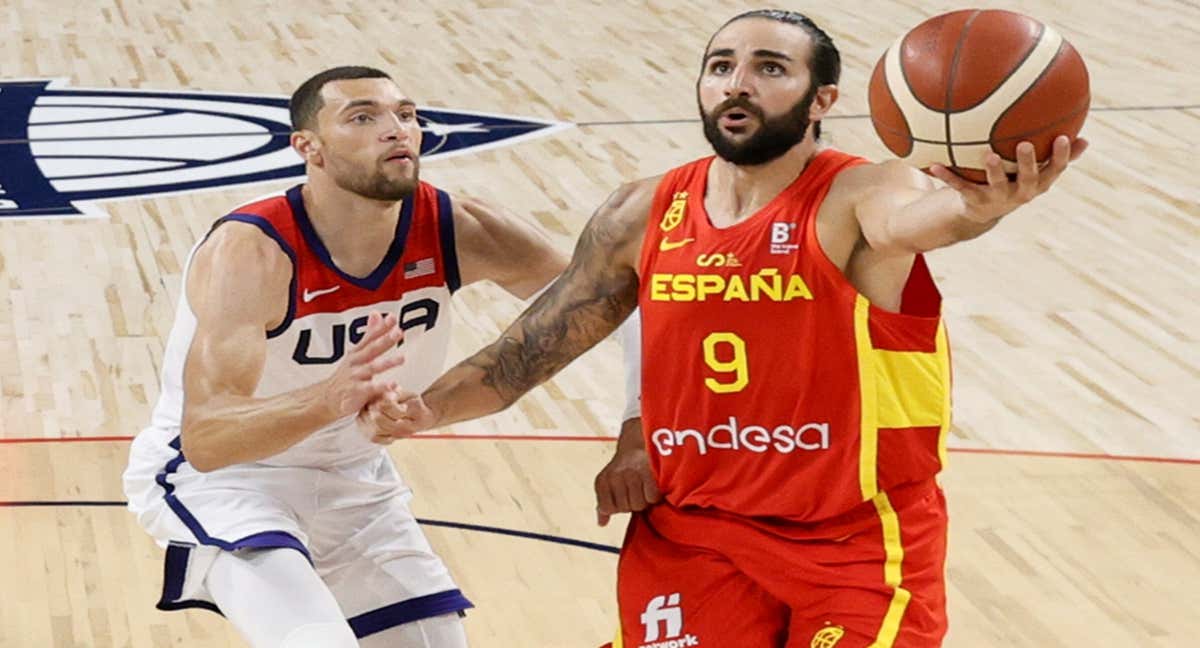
(873, 577)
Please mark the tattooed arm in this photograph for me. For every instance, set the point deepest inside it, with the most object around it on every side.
(593, 296)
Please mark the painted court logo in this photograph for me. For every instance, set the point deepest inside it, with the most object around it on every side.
(62, 149)
(663, 619)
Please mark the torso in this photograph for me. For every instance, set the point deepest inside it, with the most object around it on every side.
(327, 309)
(764, 405)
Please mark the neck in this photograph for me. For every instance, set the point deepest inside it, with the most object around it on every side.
(735, 192)
(356, 230)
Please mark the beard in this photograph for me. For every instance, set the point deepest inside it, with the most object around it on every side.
(774, 137)
(377, 185)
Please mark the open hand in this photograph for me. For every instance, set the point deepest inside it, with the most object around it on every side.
(986, 203)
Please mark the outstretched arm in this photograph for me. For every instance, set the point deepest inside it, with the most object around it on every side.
(595, 293)
(907, 214)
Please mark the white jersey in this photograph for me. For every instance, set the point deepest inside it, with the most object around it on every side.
(327, 313)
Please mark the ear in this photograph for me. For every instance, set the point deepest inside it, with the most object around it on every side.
(308, 144)
(827, 95)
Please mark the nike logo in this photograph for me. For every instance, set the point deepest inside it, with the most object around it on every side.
(311, 295)
(666, 245)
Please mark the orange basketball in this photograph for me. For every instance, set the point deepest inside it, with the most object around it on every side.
(966, 83)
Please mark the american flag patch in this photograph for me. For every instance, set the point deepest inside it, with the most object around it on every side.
(418, 268)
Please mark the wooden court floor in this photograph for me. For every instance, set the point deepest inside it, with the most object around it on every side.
(1074, 483)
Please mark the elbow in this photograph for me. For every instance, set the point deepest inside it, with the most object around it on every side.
(196, 451)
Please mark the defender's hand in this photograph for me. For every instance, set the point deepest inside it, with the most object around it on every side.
(357, 380)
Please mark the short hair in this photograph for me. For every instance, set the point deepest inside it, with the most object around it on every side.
(825, 64)
(306, 101)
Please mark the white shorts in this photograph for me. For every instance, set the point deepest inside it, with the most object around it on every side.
(352, 522)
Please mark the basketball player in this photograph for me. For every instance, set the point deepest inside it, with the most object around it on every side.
(258, 472)
(795, 365)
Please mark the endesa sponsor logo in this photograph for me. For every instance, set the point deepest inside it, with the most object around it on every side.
(733, 436)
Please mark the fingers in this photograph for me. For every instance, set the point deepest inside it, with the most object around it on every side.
(1078, 147)
(950, 178)
(650, 489)
(605, 506)
(376, 341)
(1027, 172)
(1059, 160)
(994, 167)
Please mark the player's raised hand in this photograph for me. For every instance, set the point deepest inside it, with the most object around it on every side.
(986, 203)
(358, 379)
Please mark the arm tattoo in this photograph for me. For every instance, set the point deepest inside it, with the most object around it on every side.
(587, 303)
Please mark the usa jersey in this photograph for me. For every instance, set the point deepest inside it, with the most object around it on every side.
(771, 387)
(327, 313)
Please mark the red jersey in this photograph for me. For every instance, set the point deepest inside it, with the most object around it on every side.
(770, 386)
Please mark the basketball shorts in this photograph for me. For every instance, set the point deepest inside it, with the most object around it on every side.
(352, 522)
(873, 577)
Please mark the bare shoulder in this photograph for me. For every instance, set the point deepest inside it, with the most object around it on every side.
(239, 266)
(891, 174)
(621, 219)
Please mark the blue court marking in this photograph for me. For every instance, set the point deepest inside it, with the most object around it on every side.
(528, 535)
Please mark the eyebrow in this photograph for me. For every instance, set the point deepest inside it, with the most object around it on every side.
(759, 53)
(359, 103)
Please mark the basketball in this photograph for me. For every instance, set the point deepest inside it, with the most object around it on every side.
(964, 84)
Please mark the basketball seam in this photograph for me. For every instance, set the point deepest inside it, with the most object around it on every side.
(962, 37)
(1046, 70)
(1032, 48)
(886, 86)
(904, 75)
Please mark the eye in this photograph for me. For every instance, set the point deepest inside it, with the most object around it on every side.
(362, 118)
(407, 115)
(773, 69)
(720, 67)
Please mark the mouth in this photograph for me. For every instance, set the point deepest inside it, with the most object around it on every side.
(401, 157)
(735, 119)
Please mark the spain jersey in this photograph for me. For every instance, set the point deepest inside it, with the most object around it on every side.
(327, 313)
(771, 387)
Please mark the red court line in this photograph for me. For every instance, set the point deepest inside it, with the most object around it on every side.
(536, 437)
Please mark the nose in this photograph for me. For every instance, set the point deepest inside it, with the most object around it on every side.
(738, 83)
(394, 129)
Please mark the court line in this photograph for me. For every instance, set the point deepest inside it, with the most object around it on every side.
(462, 526)
(609, 439)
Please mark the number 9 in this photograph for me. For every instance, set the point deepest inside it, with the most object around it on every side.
(737, 365)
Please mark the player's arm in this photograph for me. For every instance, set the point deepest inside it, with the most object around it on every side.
(626, 483)
(905, 212)
(238, 286)
(496, 245)
(584, 305)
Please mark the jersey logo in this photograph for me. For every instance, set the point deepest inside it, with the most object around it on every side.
(666, 245)
(310, 295)
(674, 215)
(718, 260)
(828, 637)
(782, 235)
(423, 312)
(62, 149)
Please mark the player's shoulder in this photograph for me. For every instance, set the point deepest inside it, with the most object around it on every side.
(267, 206)
(237, 246)
(872, 176)
(632, 200)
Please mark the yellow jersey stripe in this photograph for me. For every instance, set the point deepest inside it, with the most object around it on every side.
(869, 425)
(892, 573)
(943, 354)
